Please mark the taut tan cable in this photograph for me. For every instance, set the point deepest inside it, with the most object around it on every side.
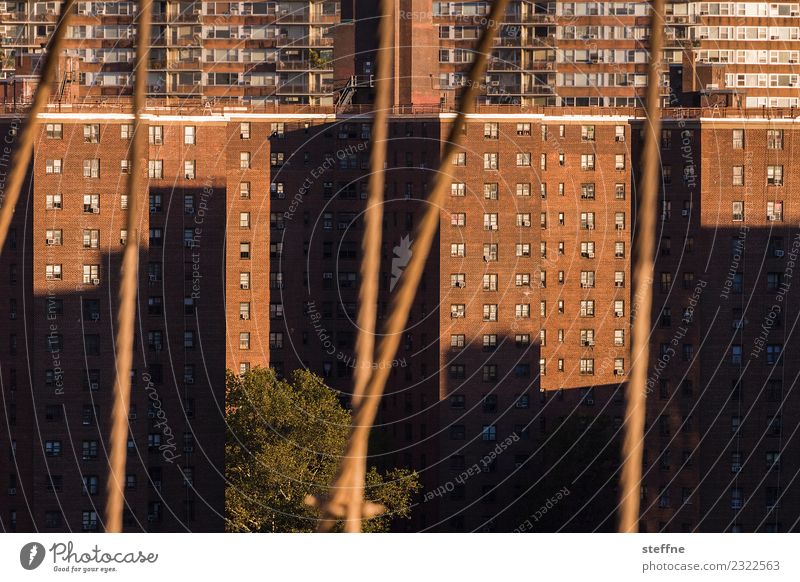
(350, 496)
(126, 312)
(364, 414)
(24, 149)
(643, 249)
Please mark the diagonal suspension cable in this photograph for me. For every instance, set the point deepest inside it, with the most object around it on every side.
(371, 257)
(126, 311)
(642, 275)
(24, 149)
(364, 415)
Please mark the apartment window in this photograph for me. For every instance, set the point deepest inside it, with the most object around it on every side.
(490, 252)
(244, 340)
(53, 202)
(619, 162)
(587, 308)
(587, 161)
(244, 281)
(774, 353)
(619, 308)
(460, 159)
(738, 175)
(458, 280)
(52, 448)
(775, 211)
(155, 169)
(53, 237)
(587, 337)
(523, 220)
(457, 341)
(523, 159)
(587, 191)
(586, 366)
(522, 310)
(458, 189)
(276, 340)
(458, 219)
(91, 133)
(619, 279)
(491, 131)
(775, 139)
(53, 166)
(489, 342)
(189, 135)
(91, 274)
(155, 134)
(522, 279)
(490, 161)
(244, 130)
(55, 131)
(244, 159)
(543, 161)
(244, 220)
(523, 250)
(244, 251)
(125, 166)
(490, 282)
(244, 190)
(619, 133)
(489, 433)
(458, 250)
(189, 169)
(738, 139)
(91, 238)
(775, 175)
(490, 312)
(126, 131)
(523, 129)
(619, 191)
(457, 310)
(619, 220)
(523, 189)
(490, 221)
(737, 210)
(53, 272)
(457, 372)
(91, 203)
(587, 220)
(587, 133)
(587, 279)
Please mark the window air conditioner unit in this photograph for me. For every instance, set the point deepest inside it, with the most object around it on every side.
(95, 211)
(620, 226)
(244, 286)
(619, 138)
(51, 241)
(95, 281)
(618, 372)
(778, 253)
(618, 314)
(12, 315)
(188, 380)
(94, 386)
(244, 316)
(12, 490)
(490, 227)
(685, 212)
(590, 255)
(95, 317)
(460, 284)
(618, 284)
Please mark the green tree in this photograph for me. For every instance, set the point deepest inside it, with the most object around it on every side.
(283, 442)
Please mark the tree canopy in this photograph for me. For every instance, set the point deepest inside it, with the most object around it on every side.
(284, 440)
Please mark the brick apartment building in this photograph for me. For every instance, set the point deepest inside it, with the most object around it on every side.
(318, 52)
(519, 336)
